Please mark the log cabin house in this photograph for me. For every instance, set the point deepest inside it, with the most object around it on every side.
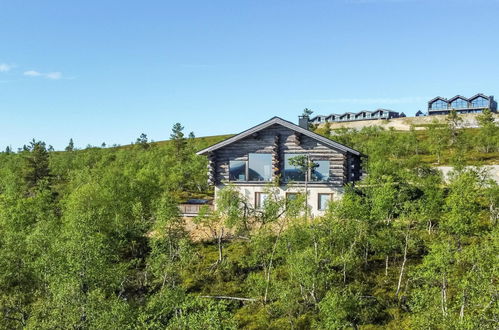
(255, 158)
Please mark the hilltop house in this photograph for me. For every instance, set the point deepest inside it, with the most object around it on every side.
(474, 104)
(261, 155)
(353, 116)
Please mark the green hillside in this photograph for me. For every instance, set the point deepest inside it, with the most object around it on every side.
(93, 239)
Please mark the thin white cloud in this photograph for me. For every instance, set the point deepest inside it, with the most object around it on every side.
(54, 75)
(50, 75)
(5, 67)
(32, 73)
(399, 100)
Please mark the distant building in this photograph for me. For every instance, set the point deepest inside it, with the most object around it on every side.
(353, 116)
(420, 113)
(474, 104)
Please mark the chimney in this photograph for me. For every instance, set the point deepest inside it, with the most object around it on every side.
(303, 121)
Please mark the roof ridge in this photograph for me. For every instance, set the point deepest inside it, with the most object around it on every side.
(285, 123)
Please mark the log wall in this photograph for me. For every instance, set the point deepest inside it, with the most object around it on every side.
(278, 140)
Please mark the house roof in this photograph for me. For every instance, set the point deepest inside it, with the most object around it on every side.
(437, 98)
(479, 95)
(282, 122)
(458, 97)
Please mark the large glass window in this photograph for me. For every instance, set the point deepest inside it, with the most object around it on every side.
(260, 167)
(237, 170)
(439, 104)
(459, 104)
(321, 171)
(323, 201)
(480, 102)
(291, 172)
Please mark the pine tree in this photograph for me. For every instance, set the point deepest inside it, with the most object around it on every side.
(70, 146)
(307, 112)
(178, 138)
(37, 163)
(142, 141)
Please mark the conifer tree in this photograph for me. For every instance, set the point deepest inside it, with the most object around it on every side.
(142, 141)
(70, 146)
(37, 163)
(178, 138)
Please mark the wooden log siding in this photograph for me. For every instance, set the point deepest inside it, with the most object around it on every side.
(276, 157)
(266, 142)
(212, 171)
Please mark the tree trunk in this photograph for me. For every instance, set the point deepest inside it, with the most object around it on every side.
(306, 194)
(271, 262)
(230, 298)
(444, 296)
(344, 272)
(461, 312)
(386, 266)
(403, 264)
(220, 249)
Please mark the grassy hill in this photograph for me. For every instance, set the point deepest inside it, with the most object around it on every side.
(93, 239)
(471, 156)
(404, 124)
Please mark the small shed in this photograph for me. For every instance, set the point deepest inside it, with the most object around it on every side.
(191, 207)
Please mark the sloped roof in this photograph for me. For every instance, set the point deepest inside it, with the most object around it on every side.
(458, 97)
(479, 95)
(282, 122)
(438, 98)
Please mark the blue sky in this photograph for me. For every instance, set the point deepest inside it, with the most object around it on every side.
(106, 71)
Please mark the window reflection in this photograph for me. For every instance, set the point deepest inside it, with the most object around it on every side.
(459, 104)
(291, 172)
(260, 199)
(260, 167)
(479, 102)
(323, 201)
(321, 171)
(237, 170)
(439, 104)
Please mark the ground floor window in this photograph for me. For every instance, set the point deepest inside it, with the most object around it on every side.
(260, 199)
(291, 199)
(291, 196)
(323, 201)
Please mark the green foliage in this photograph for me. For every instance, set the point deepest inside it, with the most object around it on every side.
(93, 239)
(307, 112)
(37, 163)
(488, 136)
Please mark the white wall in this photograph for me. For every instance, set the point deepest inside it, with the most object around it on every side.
(248, 191)
(492, 171)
